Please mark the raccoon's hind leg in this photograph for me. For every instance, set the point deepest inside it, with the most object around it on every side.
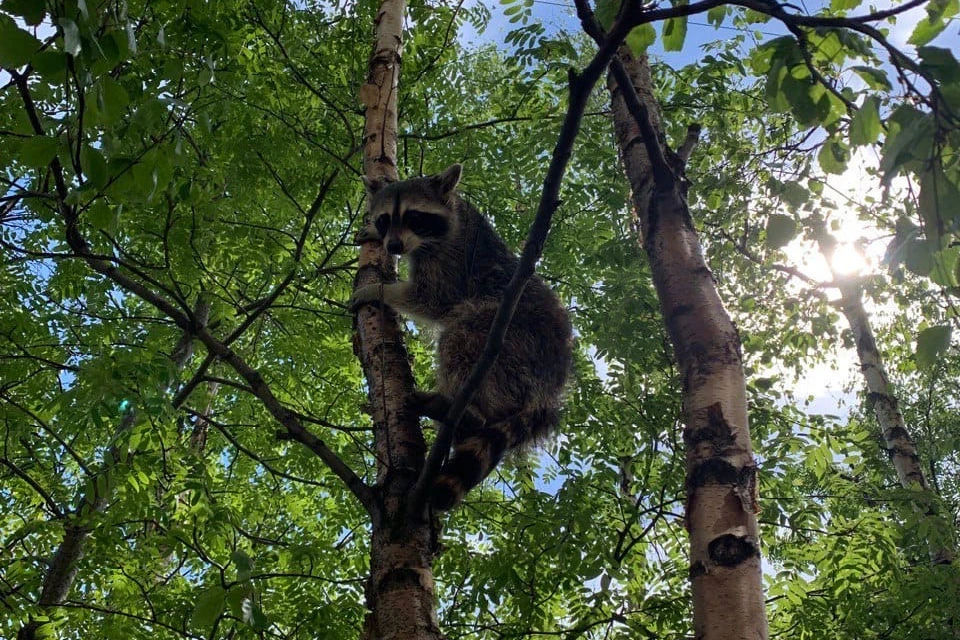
(477, 453)
(437, 405)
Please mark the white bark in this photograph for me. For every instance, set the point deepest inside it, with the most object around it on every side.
(886, 408)
(400, 592)
(721, 481)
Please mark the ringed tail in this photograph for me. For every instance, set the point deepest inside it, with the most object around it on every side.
(476, 454)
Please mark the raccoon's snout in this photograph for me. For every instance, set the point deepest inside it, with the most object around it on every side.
(395, 246)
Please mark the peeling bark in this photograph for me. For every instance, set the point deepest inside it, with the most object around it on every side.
(721, 472)
(400, 591)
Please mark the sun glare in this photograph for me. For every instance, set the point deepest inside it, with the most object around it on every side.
(847, 260)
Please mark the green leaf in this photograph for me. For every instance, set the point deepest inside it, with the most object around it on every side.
(144, 175)
(776, 98)
(641, 37)
(945, 266)
(102, 217)
(938, 11)
(799, 93)
(32, 11)
(939, 203)
(606, 12)
(717, 15)
(833, 157)
(940, 63)
(50, 64)
(865, 125)
(16, 45)
(208, 608)
(917, 257)
(781, 230)
(112, 100)
(794, 193)
(876, 79)
(844, 5)
(94, 166)
(38, 151)
(931, 343)
(910, 140)
(674, 33)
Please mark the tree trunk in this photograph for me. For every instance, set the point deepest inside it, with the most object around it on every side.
(65, 563)
(721, 472)
(400, 591)
(903, 453)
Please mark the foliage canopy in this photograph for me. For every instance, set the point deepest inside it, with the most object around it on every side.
(208, 153)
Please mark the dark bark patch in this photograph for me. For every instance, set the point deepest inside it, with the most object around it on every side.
(729, 550)
(713, 471)
(717, 431)
(877, 397)
(897, 433)
(680, 310)
(704, 272)
(697, 569)
(399, 578)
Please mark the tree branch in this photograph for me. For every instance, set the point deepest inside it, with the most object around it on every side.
(52, 505)
(289, 420)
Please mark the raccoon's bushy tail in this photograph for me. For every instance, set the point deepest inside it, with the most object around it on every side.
(477, 453)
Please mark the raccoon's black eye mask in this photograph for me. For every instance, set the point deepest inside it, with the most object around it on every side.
(425, 225)
(382, 224)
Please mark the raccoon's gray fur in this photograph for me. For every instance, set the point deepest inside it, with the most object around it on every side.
(458, 270)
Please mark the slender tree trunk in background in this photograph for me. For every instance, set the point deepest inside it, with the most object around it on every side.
(400, 591)
(721, 472)
(886, 407)
(65, 563)
(198, 444)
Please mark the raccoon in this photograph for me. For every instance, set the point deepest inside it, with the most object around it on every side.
(458, 270)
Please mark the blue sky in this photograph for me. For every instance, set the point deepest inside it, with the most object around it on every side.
(559, 15)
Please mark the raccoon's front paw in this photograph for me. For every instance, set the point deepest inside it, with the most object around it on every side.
(367, 234)
(367, 294)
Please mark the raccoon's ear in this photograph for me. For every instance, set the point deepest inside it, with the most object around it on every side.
(374, 184)
(447, 180)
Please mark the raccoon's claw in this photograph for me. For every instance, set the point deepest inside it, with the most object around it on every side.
(367, 294)
(366, 234)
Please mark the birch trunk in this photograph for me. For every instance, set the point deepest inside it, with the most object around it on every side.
(903, 453)
(65, 563)
(721, 478)
(400, 592)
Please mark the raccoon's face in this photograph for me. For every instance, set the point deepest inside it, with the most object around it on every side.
(411, 226)
(413, 214)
